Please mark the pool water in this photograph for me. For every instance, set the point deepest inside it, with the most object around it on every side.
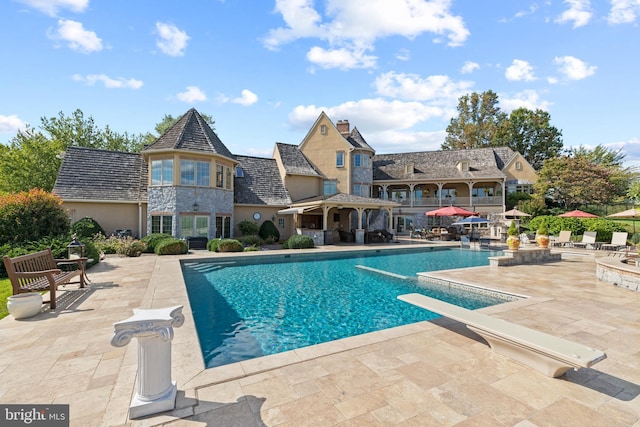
(244, 310)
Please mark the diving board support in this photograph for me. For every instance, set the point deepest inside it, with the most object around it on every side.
(553, 356)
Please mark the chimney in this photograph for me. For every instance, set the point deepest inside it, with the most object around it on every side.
(343, 127)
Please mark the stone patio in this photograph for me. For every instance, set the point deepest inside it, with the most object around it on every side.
(428, 373)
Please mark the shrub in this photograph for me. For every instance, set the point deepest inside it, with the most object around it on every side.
(513, 229)
(247, 227)
(86, 228)
(298, 241)
(230, 245)
(212, 245)
(106, 245)
(543, 230)
(268, 229)
(251, 249)
(251, 240)
(152, 240)
(270, 240)
(31, 216)
(171, 246)
(603, 227)
(130, 247)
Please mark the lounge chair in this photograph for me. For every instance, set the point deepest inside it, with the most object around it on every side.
(465, 242)
(588, 238)
(564, 239)
(618, 241)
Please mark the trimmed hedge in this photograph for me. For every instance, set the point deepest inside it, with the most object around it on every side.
(230, 245)
(171, 246)
(298, 241)
(152, 241)
(87, 228)
(603, 227)
(250, 240)
(269, 230)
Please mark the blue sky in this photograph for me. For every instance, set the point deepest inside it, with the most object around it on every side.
(266, 69)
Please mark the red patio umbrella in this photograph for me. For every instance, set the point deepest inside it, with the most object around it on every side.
(450, 211)
(577, 214)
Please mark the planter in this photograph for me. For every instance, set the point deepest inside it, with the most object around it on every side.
(24, 305)
(543, 241)
(513, 243)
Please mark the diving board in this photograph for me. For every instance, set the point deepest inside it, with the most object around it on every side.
(546, 353)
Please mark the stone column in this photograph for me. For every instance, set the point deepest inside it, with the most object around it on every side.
(155, 392)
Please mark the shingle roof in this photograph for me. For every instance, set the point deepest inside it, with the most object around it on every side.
(294, 162)
(260, 183)
(357, 141)
(483, 163)
(191, 132)
(91, 174)
(345, 198)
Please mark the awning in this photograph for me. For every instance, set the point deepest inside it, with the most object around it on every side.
(290, 211)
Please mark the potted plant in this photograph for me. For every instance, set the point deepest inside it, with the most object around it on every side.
(513, 240)
(542, 236)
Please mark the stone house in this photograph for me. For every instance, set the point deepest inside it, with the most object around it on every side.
(331, 186)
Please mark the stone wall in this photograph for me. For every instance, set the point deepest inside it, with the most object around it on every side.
(617, 272)
(524, 256)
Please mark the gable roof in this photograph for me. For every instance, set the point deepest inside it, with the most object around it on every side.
(92, 174)
(192, 133)
(483, 163)
(260, 183)
(294, 162)
(357, 141)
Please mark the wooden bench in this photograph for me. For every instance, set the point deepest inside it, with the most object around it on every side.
(39, 271)
(548, 354)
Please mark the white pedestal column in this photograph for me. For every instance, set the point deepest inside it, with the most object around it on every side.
(155, 392)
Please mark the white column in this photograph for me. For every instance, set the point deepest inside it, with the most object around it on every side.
(155, 392)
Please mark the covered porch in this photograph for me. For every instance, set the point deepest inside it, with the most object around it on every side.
(340, 217)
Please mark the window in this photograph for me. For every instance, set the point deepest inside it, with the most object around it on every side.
(194, 226)
(162, 224)
(357, 160)
(239, 172)
(361, 190)
(339, 159)
(330, 187)
(519, 166)
(281, 222)
(229, 178)
(323, 129)
(482, 192)
(162, 172)
(194, 173)
(219, 176)
(223, 227)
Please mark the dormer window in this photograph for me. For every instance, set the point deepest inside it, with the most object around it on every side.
(239, 172)
(463, 166)
(409, 168)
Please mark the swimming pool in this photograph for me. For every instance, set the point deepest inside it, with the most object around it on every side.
(249, 307)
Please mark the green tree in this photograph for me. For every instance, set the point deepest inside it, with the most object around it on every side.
(33, 157)
(167, 121)
(530, 134)
(573, 181)
(478, 121)
(633, 193)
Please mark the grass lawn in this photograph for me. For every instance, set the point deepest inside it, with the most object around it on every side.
(5, 292)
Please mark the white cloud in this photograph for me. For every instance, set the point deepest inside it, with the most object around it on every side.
(11, 124)
(340, 58)
(77, 38)
(192, 94)
(469, 67)
(436, 89)
(403, 55)
(529, 99)
(109, 83)
(624, 11)
(247, 98)
(573, 68)
(51, 7)
(519, 70)
(172, 41)
(579, 13)
(349, 26)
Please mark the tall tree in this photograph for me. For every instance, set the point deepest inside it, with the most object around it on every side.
(573, 181)
(479, 118)
(530, 134)
(32, 158)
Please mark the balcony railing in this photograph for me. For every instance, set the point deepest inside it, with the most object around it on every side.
(456, 200)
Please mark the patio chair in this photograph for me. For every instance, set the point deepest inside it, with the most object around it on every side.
(588, 238)
(564, 239)
(618, 241)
